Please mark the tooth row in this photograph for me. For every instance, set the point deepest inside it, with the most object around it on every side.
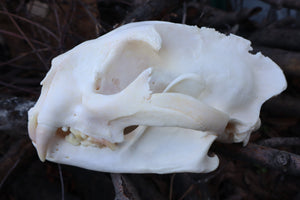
(78, 138)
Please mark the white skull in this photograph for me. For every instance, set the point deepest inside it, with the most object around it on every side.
(179, 86)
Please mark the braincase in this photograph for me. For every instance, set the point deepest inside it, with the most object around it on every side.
(207, 65)
(228, 76)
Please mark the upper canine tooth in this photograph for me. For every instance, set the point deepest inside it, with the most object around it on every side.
(43, 135)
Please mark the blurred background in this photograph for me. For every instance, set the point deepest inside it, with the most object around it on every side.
(33, 32)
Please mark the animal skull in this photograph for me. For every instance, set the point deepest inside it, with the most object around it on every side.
(179, 86)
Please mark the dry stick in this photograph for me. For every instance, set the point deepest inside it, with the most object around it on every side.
(277, 38)
(13, 118)
(26, 38)
(280, 141)
(9, 172)
(57, 19)
(21, 37)
(289, 61)
(31, 22)
(20, 6)
(61, 182)
(58, 24)
(119, 191)
(94, 20)
(214, 17)
(146, 186)
(21, 81)
(63, 27)
(18, 88)
(184, 10)
(27, 68)
(11, 159)
(282, 23)
(171, 187)
(151, 9)
(128, 3)
(123, 188)
(294, 4)
(67, 21)
(23, 55)
(282, 106)
(188, 191)
(255, 154)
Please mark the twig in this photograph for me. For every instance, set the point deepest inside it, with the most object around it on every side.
(57, 20)
(23, 55)
(184, 13)
(146, 185)
(31, 22)
(171, 187)
(282, 106)
(61, 182)
(119, 191)
(205, 15)
(12, 158)
(123, 188)
(25, 37)
(277, 38)
(94, 20)
(22, 37)
(152, 9)
(21, 81)
(255, 154)
(27, 68)
(188, 191)
(9, 172)
(280, 141)
(18, 88)
(294, 4)
(13, 118)
(67, 22)
(289, 61)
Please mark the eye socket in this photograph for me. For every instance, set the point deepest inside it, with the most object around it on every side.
(129, 129)
(128, 61)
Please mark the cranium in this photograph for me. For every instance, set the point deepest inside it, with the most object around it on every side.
(177, 87)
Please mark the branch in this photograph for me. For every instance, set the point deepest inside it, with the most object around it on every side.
(124, 190)
(41, 27)
(92, 17)
(280, 141)
(25, 37)
(289, 61)
(205, 15)
(12, 158)
(255, 154)
(277, 38)
(146, 185)
(282, 106)
(293, 4)
(152, 9)
(13, 118)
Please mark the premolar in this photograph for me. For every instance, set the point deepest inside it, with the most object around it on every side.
(77, 138)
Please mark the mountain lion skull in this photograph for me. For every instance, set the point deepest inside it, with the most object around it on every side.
(151, 97)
